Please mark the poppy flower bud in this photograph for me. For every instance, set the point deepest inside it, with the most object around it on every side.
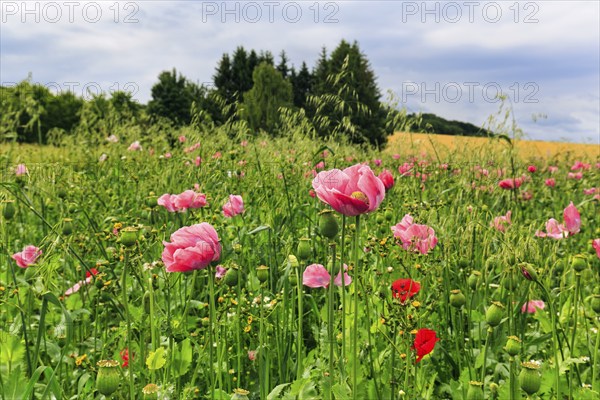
(237, 248)
(67, 227)
(475, 391)
(529, 271)
(513, 346)
(150, 392)
(108, 379)
(293, 261)
(457, 298)
(474, 279)
(596, 303)
(262, 273)
(129, 236)
(494, 314)
(328, 225)
(240, 394)
(304, 249)
(389, 215)
(231, 277)
(151, 200)
(579, 262)
(9, 209)
(530, 378)
(379, 219)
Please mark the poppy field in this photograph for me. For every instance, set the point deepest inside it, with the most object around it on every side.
(218, 267)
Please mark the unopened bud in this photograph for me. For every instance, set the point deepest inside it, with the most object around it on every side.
(9, 209)
(304, 249)
(328, 225)
(528, 271)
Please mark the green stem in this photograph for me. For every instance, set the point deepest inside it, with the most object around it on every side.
(490, 330)
(356, 319)
(595, 359)
(343, 292)
(555, 337)
(211, 333)
(330, 301)
(128, 321)
(300, 336)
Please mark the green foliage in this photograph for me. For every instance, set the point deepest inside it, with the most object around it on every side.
(262, 103)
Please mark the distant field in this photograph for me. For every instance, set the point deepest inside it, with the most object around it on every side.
(447, 145)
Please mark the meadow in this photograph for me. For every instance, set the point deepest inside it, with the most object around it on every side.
(219, 267)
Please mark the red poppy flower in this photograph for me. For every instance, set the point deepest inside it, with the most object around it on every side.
(424, 342)
(404, 289)
(125, 357)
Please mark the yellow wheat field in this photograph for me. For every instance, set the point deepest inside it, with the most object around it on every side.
(460, 147)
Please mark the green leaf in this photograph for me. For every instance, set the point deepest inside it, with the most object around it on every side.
(183, 358)
(276, 392)
(259, 229)
(156, 359)
(341, 392)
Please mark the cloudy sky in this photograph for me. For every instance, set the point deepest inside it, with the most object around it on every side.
(451, 58)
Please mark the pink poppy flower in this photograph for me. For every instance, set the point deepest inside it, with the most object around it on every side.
(550, 182)
(27, 257)
(590, 191)
(220, 272)
(510, 183)
(577, 176)
(252, 355)
(532, 168)
(20, 170)
(88, 279)
(244, 143)
(596, 246)
(406, 169)
(580, 165)
(191, 248)
(554, 230)
(532, 306)
(217, 155)
(103, 157)
(415, 237)
(168, 201)
(444, 167)
(316, 276)
(182, 139)
(354, 191)
(135, 146)
(572, 219)
(552, 169)
(189, 199)
(234, 206)
(168, 155)
(502, 222)
(312, 193)
(377, 162)
(320, 165)
(387, 179)
(112, 139)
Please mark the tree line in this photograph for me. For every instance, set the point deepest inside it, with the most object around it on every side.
(338, 96)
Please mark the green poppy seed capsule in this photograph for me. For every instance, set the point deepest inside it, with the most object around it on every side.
(151, 201)
(494, 314)
(389, 215)
(579, 262)
(129, 236)
(304, 249)
(475, 391)
(108, 379)
(328, 225)
(240, 394)
(473, 279)
(530, 378)
(150, 392)
(262, 273)
(596, 303)
(67, 227)
(457, 298)
(513, 346)
(379, 219)
(9, 209)
(232, 276)
(559, 267)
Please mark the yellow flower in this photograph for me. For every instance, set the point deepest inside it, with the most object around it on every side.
(79, 360)
(250, 319)
(247, 328)
(416, 304)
